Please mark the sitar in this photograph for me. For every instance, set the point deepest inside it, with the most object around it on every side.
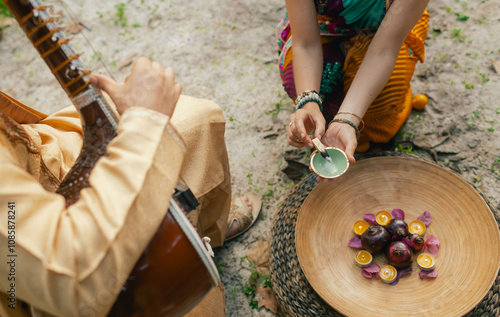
(176, 270)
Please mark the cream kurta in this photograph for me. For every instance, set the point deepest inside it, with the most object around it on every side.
(73, 261)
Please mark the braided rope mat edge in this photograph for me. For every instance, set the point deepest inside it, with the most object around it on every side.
(295, 296)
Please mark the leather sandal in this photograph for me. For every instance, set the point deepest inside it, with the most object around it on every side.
(242, 215)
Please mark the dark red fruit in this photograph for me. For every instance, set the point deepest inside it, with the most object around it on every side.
(397, 227)
(399, 255)
(375, 239)
(417, 240)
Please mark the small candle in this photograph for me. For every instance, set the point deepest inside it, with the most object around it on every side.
(387, 273)
(417, 227)
(426, 261)
(363, 258)
(383, 218)
(360, 226)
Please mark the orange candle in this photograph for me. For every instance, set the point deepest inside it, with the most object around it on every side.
(417, 227)
(426, 261)
(383, 218)
(363, 258)
(360, 226)
(387, 273)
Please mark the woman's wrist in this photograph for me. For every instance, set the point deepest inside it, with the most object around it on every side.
(352, 117)
(308, 97)
(311, 106)
(347, 122)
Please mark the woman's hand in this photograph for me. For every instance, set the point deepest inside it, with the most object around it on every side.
(148, 85)
(341, 136)
(302, 122)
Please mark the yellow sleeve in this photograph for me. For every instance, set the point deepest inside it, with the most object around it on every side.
(73, 261)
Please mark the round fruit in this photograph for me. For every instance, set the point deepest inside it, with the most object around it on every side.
(399, 255)
(375, 239)
(417, 241)
(363, 147)
(397, 227)
(419, 102)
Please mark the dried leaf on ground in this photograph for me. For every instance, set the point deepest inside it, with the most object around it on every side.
(429, 141)
(155, 21)
(259, 255)
(296, 170)
(265, 297)
(496, 66)
(128, 61)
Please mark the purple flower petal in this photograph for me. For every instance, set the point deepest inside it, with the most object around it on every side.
(370, 218)
(425, 218)
(405, 272)
(402, 273)
(355, 243)
(366, 274)
(371, 271)
(431, 245)
(398, 214)
(428, 274)
(407, 242)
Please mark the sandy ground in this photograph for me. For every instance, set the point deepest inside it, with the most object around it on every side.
(225, 51)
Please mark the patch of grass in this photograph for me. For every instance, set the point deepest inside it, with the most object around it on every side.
(405, 149)
(254, 280)
(277, 108)
(457, 34)
(268, 195)
(120, 15)
(477, 179)
(468, 86)
(221, 266)
(461, 17)
(484, 79)
(3, 10)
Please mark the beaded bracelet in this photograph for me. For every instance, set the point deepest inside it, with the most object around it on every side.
(349, 123)
(310, 99)
(355, 115)
(309, 96)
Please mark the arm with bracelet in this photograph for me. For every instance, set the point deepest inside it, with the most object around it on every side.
(308, 65)
(314, 69)
(375, 70)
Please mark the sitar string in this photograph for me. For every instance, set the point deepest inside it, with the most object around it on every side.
(65, 7)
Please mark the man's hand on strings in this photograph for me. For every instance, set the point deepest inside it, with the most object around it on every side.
(148, 85)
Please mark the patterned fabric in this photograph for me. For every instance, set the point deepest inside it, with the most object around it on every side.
(347, 28)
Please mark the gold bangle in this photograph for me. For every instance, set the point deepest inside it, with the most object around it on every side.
(355, 115)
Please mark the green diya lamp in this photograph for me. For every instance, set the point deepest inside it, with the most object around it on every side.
(328, 162)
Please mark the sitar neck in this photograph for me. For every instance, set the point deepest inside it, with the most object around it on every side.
(53, 46)
(99, 123)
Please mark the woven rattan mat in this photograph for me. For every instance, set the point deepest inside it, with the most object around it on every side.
(294, 294)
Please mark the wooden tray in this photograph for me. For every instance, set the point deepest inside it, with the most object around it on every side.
(468, 260)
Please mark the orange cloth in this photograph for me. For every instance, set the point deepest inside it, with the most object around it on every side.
(391, 108)
(73, 261)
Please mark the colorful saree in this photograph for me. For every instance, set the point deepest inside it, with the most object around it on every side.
(347, 28)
